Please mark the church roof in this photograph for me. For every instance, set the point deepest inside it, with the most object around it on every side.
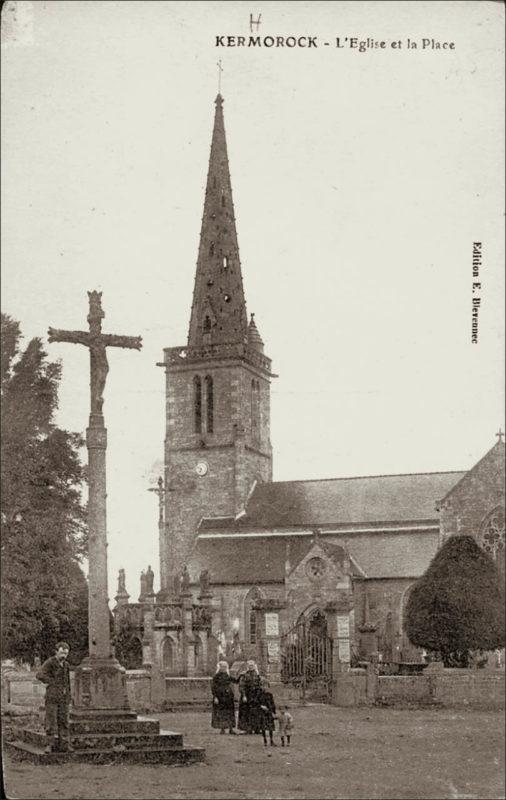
(245, 560)
(495, 452)
(367, 500)
(262, 559)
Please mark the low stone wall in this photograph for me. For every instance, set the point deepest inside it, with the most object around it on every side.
(447, 688)
(465, 687)
(391, 689)
(187, 691)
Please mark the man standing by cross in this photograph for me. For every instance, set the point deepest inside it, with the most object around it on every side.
(100, 680)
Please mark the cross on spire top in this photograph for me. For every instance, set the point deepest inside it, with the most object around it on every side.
(499, 435)
(220, 70)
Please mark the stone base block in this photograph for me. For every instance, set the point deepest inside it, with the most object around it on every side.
(100, 683)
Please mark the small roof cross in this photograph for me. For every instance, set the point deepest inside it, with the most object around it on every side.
(499, 435)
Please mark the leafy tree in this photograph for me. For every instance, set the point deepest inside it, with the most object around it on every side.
(44, 590)
(458, 604)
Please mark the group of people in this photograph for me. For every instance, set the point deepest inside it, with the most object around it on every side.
(257, 710)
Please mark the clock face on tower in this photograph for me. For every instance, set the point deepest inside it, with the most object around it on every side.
(201, 468)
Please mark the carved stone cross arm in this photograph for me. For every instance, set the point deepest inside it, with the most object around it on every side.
(74, 337)
(132, 342)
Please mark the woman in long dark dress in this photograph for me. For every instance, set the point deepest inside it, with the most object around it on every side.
(223, 715)
(249, 702)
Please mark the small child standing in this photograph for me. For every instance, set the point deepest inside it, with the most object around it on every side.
(285, 726)
(267, 712)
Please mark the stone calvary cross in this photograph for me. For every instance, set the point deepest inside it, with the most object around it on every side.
(99, 680)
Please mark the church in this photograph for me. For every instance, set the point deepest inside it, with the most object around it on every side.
(232, 539)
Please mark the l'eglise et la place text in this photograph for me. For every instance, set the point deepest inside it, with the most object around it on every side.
(340, 42)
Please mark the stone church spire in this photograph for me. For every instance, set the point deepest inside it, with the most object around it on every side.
(218, 314)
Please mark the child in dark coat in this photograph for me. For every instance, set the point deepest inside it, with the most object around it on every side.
(267, 712)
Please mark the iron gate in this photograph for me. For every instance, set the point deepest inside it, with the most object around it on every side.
(306, 659)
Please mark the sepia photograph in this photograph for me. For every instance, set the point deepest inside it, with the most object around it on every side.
(253, 519)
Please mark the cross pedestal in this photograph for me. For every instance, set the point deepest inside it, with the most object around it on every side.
(100, 680)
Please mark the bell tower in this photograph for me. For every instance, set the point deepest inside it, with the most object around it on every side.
(217, 440)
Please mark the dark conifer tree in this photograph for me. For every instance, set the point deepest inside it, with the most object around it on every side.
(44, 591)
(458, 604)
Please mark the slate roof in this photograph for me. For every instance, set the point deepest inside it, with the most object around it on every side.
(247, 561)
(406, 554)
(261, 559)
(340, 501)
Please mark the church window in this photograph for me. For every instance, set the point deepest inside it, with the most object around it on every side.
(492, 535)
(197, 404)
(222, 199)
(211, 249)
(227, 298)
(210, 282)
(207, 324)
(210, 404)
(315, 568)
(225, 262)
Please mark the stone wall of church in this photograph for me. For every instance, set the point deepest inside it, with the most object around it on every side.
(475, 497)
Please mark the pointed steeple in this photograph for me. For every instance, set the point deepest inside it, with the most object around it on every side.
(218, 313)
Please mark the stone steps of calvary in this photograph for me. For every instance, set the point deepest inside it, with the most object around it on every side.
(99, 739)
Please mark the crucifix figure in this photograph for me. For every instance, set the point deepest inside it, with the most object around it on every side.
(97, 342)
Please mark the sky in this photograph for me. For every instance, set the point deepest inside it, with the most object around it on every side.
(360, 182)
